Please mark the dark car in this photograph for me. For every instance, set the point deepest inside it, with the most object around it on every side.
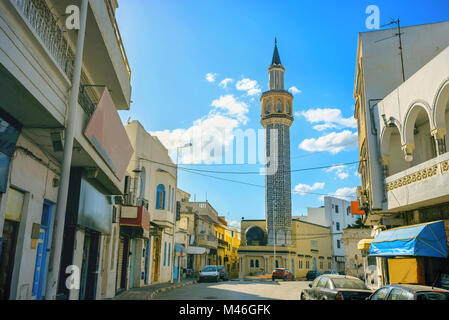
(224, 275)
(311, 275)
(281, 273)
(336, 287)
(409, 292)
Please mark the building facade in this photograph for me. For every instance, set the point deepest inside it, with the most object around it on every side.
(402, 126)
(335, 214)
(311, 249)
(37, 76)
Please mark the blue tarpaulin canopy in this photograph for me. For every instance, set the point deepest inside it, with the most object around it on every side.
(426, 240)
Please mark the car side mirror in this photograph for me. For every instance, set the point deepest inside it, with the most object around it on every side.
(310, 285)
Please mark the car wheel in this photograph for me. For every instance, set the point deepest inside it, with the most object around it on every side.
(303, 296)
(272, 279)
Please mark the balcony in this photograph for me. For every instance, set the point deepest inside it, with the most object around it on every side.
(425, 184)
(207, 240)
(136, 220)
(105, 60)
(163, 218)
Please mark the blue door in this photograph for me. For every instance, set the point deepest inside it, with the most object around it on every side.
(42, 253)
(147, 257)
(314, 264)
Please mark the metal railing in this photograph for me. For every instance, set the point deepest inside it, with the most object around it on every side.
(119, 38)
(86, 101)
(46, 26)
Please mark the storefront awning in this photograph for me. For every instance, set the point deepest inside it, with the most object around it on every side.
(196, 250)
(364, 244)
(427, 240)
(179, 249)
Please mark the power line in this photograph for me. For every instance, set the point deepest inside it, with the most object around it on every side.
(262, 186)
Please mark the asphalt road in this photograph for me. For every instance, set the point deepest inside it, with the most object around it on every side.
(237, 290)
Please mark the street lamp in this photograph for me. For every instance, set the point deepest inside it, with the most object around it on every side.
(188, 145)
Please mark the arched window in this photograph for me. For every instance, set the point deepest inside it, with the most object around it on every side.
(287, 107)
(257, 263)
(278, 106)
(160, 197)
(251, 263)
(268, 108)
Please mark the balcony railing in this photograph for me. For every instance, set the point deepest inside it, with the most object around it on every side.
(119, 38)
(86, 101)
(46, 26)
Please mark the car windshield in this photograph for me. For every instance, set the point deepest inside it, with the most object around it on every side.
(209, 269)
(344, 283)
(279, 270)
(432, 295)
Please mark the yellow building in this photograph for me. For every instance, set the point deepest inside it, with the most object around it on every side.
(232, 238)
(311, 249)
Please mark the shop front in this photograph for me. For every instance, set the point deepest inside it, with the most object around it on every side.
(88, 219)
(416, 254)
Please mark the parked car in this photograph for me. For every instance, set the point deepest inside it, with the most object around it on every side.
(311, 275)
(224, 275)
(331, 272)
(209, 273)
(281, 273)
(336, 287)
(409, 292)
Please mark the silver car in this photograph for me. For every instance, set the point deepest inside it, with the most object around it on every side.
(209, 273)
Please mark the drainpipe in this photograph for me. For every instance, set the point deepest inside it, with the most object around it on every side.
(54, 266)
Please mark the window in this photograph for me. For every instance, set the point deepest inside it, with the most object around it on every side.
(160, 197)
(338, 226)
(338, 244)
(322, 282)
(336, 209)
(329, 265)
(251, 263)
(278, 106)
(169, 253)
(380, 294)
(300, 264)
(287, 106)
(314, 243)
(257, 263)
(396, 294)
(321, 265)
(268, 108)
(169, 198)
(165, 253)
(307, 264)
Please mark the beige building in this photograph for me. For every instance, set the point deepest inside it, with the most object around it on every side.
(149, 191)
(37, 63)
(311, 249)
(354, 258)
(402, 99)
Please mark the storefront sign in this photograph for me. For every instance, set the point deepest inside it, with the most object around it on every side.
(106, 133)
(95, 209)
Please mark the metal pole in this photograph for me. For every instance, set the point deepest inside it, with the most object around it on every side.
(400, 49)
(52, 281)
(174, 219)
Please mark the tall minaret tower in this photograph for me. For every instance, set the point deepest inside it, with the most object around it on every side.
(277, 118)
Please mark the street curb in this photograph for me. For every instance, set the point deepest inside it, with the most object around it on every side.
(180, 285)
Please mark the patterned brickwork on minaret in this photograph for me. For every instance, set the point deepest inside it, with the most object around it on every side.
(277, 118)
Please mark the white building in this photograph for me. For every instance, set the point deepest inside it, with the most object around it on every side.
(402, 108)
(36, 76)
(335, 214)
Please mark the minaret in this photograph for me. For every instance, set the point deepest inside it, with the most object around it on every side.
(277, 118)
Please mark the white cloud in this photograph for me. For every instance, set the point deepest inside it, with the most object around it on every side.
(340, 171)
(328, 119)
(333, 142)
(210, 77)
(346, 193)
(294, 90)
(210, 135)
(250, 86)
(224, 83)
(305, 188)
(232, 107)
(234, 224)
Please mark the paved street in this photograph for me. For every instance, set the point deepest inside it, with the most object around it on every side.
(237, 290)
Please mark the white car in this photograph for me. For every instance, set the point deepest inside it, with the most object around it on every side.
(209, 273)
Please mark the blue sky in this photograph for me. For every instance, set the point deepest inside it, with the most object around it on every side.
(173, 45)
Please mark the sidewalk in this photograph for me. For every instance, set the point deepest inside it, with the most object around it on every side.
(150, 291)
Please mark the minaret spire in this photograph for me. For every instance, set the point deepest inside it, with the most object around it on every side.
(276, 58)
